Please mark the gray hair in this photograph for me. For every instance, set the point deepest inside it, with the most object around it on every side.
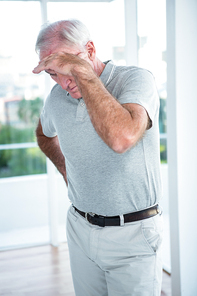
(71, 33)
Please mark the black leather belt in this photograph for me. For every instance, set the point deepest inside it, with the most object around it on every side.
(119, 220)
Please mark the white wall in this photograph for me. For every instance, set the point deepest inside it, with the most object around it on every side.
(24, 202)
(24, 211)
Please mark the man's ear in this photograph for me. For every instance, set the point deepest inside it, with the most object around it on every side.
(91, 50)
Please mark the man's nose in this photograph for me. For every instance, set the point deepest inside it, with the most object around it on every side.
(64, 81)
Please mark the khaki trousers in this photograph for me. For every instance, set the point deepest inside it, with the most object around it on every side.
(115, 260)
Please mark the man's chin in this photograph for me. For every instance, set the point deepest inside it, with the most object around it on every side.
(75, 95)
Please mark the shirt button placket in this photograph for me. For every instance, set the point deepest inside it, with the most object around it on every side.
(81, 111)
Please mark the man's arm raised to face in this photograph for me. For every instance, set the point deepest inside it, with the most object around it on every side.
(120, 126)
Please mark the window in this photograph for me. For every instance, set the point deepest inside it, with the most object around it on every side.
(21, 92)
(152, 55)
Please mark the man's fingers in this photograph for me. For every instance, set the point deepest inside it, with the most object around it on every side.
(43, 64)
(38, 69)
(57, 62)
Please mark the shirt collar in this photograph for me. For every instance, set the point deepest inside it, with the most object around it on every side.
(107, 73)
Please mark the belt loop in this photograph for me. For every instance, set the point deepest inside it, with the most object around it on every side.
(121, 220)
(160, 210)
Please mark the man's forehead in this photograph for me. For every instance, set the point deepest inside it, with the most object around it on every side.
(61, 48)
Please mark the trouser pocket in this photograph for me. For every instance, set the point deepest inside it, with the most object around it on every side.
(152, 231)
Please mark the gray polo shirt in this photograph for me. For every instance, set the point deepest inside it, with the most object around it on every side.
(100, 180)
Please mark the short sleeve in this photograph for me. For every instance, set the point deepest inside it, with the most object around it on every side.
(46, 121)
(138, 86)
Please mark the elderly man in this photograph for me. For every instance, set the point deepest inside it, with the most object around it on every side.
(99, 126)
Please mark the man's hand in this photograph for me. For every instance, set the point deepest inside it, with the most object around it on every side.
(66, 64)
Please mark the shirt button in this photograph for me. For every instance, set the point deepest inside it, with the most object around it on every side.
(82, 104)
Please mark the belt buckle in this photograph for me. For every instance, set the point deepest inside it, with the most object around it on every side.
(91, 214)
(100, 220)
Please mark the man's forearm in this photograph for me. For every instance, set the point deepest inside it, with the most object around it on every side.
(51, 148)
(119, 127)
(104, 111)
